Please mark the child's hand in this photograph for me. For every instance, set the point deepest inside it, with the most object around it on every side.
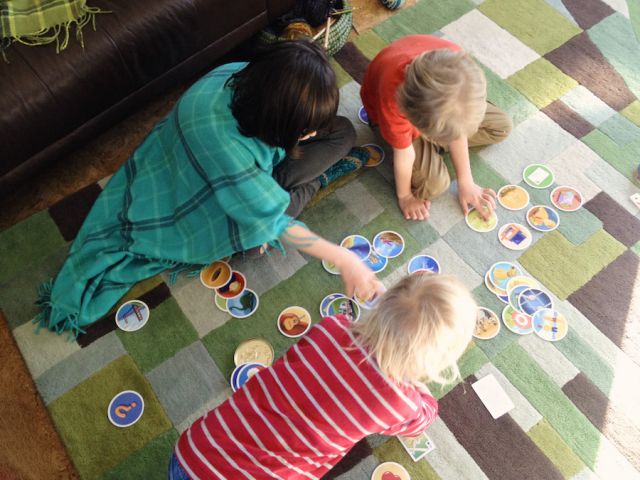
(414, 208)
(356, 276)
(482, 199)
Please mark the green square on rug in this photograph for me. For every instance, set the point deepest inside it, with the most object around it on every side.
(542, 82)
(555, 448)
(29, 242)
(151, 461)
(168, 330)
(534, 22)
(632, 111)
(564, 267)
(369, 43)
(427, 16)
(393, 451)
(80, 416)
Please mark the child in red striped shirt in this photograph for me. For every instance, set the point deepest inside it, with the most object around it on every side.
(341, 382)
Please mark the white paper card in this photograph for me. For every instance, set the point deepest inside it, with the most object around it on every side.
(538, 176)
(493, 396)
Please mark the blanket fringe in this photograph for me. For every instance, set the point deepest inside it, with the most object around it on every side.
(59, 33)
(46, 317)
(176, 268)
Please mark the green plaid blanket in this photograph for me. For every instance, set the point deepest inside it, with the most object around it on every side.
(196, 190)
(37, 22)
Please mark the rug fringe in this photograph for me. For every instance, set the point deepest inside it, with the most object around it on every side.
(47, 318)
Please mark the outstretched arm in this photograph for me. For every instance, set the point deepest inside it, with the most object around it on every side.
(412, 208)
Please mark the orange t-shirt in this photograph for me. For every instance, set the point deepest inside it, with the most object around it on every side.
(382, 79)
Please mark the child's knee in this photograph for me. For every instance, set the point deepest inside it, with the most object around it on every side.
(504, 128)
(439, 186)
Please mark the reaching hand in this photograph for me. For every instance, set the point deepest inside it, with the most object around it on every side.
(482, 199)
(414, 208)
(356, 276)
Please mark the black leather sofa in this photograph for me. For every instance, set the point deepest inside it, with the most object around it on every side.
(50, 104)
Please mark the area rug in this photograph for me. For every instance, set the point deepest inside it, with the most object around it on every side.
(568, 73)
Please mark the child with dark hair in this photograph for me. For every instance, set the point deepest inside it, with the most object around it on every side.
(215, 177)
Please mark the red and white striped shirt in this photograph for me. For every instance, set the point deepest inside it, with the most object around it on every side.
(298, 418)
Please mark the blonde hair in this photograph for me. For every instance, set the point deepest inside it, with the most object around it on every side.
(444, 95)
(420, 328)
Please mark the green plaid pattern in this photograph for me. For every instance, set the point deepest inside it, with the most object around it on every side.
(20, 18)
(196, 190)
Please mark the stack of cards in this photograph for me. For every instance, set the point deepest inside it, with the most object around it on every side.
(232, 295)
(417, 447)
(243, 372)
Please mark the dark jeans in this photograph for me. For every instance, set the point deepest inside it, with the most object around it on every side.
(298, 177)
(176, 472)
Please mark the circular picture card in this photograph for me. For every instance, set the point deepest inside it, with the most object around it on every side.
(330, 267)
(294, 322)
(242, 373)
(125, 408)
(514, 296)
(363, 116)
(376, 154)
(254, 350)
(533, 299)
(492, 288)
(487, 324)
(513, 197)
(537, 175)
(501, 272)
(371, 303)
(132, 315)
(326, 301)
(244, 304)
(515, 236)
(550, 324)
(215, 275)
(516, 321)
(388, 244)
(543, 218)
(220, 302)
(566, 198)
(376, 262)
(390, 471)
(423, 263)
(479, 224)
(358, 245)
(234, 287)
(344, 306)
(521, 280)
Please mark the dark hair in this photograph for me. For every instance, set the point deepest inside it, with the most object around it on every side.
(286, 92)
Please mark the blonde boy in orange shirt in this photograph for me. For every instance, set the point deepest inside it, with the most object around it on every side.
(424, 95)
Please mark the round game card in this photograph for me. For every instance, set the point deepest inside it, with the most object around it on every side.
(543, 218)
(376, 262)
(358, 245)
(220, 302)
(132, 315)
(501, 272)
(344, 306)
(326, 301)
(234, 287)
(388, 244)
(498, 292)
(423, 263)
(566, 198)
(550, 324)
(533, 299)
(514, 296)
(537, 175)
(390, 471)
(242, 373)
(478, 224)
(363, 116)
(125, 408)
(371, 303)
(215, 275)
(294, 322)
(513, 197)
(487, 324)
(244, 304)
(330, 267)
(253, 350)
(517, 322)
(515, 236)
(521, 280)
(376, 154)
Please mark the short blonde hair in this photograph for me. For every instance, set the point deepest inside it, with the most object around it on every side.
(420, 328)
(444, 95)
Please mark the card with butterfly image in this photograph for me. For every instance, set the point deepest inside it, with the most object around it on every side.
(417, 447)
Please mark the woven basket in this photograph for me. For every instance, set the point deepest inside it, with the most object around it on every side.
(338, 33)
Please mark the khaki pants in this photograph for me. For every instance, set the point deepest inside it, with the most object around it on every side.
(430, 177)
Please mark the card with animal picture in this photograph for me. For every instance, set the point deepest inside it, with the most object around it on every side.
(417, 447)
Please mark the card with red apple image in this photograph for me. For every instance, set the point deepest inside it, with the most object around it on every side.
(417, 447)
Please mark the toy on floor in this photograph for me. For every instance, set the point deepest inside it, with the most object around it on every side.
(392, 4)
